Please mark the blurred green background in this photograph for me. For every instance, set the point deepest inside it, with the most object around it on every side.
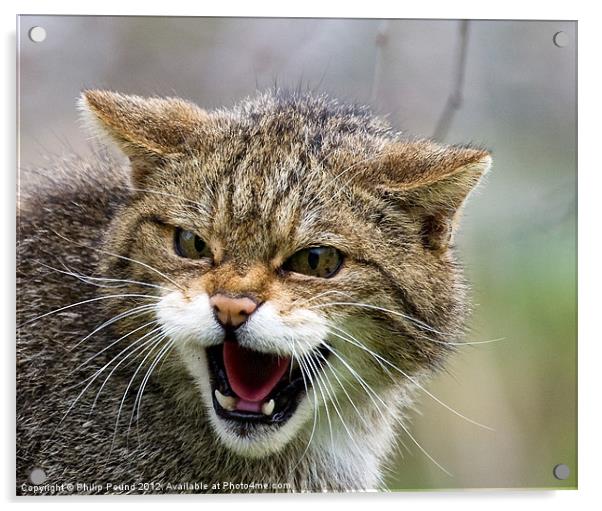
(518, 240)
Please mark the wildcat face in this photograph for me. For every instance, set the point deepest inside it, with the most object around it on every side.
(300, 253)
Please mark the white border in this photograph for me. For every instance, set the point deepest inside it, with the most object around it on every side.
(509, 9)
(590, 284)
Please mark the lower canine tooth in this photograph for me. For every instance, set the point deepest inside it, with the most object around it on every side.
(226, 402)
(268, 408)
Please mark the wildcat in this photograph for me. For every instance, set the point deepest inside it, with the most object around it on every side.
(256, 298)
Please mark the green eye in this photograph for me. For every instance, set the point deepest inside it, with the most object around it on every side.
(189, 245)
(323, 262)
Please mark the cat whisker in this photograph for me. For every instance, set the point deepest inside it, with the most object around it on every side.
(92, 381)
(407, 376)
(302, 302)
(336, 374)
(346, 336)
(462, 343)
(138, 401)
(370, 393)
(86, 362)
(91, 300)
(314, 404)
(364, 385)
(150, 343)
(333, 398)
(317, 382)
(87, 281)
(361, 416)
(123, 258)
(87, 278)
(417, 322)
(165, 359)
(383, 309)
(134, 311)
(158, 342)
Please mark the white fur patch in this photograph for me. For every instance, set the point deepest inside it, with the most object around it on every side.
(189, 320)
(268, 331)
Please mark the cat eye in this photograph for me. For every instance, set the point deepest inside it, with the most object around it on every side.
(191, 246)
(323, 262)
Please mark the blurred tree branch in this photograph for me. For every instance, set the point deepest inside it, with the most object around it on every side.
(454, 101)
(382, 38)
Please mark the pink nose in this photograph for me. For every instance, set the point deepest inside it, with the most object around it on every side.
(232, 312)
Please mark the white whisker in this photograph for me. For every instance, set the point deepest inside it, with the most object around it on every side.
(314, 406)
(419, 323)
(92, 381)
(124, 258)
(371, 392)
(86, 362)
(403, 373)
(138, 401)
(336, 374)
(157, 342)
(135, 311)
(86, 278)
(335, 401)
(98, 298)
(317, 382)
(149, 344)
(383, 309)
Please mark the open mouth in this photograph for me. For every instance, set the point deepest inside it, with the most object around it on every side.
(251, 386)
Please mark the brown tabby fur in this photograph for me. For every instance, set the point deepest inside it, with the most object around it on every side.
(258, 182)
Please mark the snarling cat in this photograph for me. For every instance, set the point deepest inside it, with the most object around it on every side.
(257, 297)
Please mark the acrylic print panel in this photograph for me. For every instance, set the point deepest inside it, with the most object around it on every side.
(295, 254)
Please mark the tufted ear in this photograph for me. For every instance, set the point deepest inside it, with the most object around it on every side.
(433, 182)
(147, 130)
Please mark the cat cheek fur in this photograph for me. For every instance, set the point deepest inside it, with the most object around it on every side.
(297, 333)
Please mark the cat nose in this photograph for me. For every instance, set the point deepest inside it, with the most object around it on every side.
(232, 312)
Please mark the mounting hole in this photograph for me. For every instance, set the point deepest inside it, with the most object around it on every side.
(561, 471)
(561, 39)
(37, 34)
(37, 476)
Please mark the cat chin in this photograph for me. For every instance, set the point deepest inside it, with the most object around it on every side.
(259, 440)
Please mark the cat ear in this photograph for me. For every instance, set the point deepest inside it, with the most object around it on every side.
(433, 182)
(147, 130)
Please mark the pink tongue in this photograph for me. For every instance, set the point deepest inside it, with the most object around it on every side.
(252, 375)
